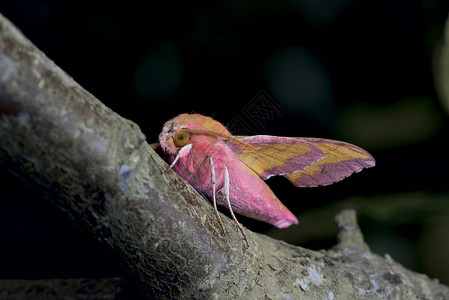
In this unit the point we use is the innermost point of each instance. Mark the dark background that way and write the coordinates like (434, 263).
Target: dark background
(358, 71)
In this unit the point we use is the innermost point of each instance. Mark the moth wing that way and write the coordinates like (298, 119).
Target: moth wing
(340, 161)
(306, 162)
(276, 155)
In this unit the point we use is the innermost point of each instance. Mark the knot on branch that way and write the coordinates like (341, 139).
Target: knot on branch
(349, 235)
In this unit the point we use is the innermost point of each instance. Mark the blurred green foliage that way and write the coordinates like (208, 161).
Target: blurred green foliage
(405, 122)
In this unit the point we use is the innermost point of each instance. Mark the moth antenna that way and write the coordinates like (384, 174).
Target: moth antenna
(226, 192)
(220, 134)
(214, 200)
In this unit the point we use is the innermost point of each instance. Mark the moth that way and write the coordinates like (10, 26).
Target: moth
(231, 170)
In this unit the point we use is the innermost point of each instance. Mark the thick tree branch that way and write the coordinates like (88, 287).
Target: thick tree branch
(97, 167)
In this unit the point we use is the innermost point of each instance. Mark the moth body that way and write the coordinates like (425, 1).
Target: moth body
(249, 194)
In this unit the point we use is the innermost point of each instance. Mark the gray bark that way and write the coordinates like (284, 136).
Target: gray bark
(97, 168)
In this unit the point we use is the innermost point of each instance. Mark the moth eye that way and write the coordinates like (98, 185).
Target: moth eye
(181, 137)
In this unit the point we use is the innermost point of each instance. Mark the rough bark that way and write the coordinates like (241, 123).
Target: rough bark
(97, 168)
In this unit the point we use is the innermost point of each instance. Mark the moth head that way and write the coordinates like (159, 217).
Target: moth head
(177, 132)
(173, 137)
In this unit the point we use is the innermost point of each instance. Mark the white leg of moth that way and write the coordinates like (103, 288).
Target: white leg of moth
(226, 191)
(180, 152)
(214, 200)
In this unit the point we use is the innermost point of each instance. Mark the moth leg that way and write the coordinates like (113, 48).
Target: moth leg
(181, 151)
(226, 191)
(214, 200)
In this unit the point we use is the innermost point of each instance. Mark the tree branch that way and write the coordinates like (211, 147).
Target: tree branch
(97, 168)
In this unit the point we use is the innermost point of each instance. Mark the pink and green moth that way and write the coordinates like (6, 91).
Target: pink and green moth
(231, 170)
